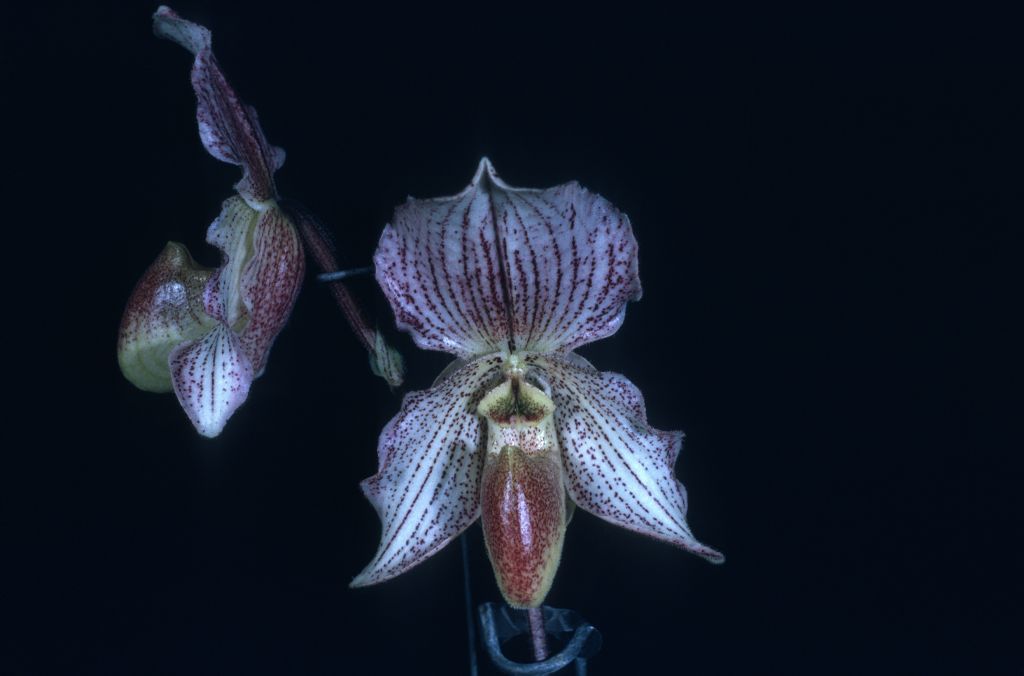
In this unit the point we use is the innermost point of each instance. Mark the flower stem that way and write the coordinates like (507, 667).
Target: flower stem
(537, 634)
(319, 247)
(470, 624)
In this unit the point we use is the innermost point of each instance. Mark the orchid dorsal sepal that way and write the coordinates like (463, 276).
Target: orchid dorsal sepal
(229, 129)
(510, 281)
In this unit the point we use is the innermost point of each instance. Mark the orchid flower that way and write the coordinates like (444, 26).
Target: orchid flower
(519, 428)
(206, 333)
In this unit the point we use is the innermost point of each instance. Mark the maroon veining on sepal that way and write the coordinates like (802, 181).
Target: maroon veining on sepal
(572, 265)
(439, 264)
(497, 266)
(228, 128)
(617, 466)
(427, 488)
(270, 284)
(522, 503)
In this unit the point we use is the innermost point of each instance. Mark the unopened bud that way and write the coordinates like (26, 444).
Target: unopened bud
(386, 361)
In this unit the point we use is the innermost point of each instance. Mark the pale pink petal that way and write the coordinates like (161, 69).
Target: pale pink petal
(164, 310)
(270, 283)
(497, 267)
(211, 377)
(616, 465)
(427, 489)
(228, 128)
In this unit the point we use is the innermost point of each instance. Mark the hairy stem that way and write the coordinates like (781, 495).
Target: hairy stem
(319, 247)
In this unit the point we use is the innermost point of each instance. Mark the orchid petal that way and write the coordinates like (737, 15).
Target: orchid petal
(260, 276)
(165, 309)
(427, 489)
(616, 466)
(557, 266)
(270, 283)
(229, 129)
(192, 36)
(211, 377)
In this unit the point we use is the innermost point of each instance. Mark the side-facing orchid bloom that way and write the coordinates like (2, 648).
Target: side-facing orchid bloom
(519, 427)
(206, 333)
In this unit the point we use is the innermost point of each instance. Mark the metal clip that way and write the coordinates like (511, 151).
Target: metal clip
(343, 274)
(501, 623)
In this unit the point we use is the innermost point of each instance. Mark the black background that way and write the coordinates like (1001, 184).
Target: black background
(826, 206)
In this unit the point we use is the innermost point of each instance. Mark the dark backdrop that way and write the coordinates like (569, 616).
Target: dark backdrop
(825, 205)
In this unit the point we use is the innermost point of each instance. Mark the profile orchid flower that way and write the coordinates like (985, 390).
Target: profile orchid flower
(519, 428)
(207, 333)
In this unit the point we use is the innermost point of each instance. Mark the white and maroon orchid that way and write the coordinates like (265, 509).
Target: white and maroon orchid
(519, 428)
(206, 333)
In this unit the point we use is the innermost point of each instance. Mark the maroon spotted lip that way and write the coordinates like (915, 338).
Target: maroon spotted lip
(523, 518)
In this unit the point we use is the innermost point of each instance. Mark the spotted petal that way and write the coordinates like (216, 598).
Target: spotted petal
(211, 377)
(427, 489)
(165, 309)
(228, 128)
(270, 283)
(497, 267)
(616, 465)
